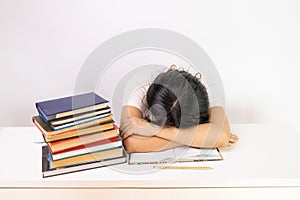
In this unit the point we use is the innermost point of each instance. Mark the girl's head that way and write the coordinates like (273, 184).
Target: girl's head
(177, 98)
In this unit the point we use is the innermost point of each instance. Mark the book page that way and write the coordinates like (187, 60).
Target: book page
(180, 154)
(152, 157)
(197, 153)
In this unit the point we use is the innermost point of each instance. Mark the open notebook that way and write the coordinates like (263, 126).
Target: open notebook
(179, 154)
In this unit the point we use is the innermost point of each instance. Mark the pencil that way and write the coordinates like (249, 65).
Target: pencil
(183, 167)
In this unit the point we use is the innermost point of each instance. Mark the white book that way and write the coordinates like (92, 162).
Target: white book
(82, 121)
(75, 118)
(179, 154)
(86, 150)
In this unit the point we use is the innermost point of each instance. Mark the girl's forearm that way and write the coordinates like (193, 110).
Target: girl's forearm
(136, 143)
(213, 134)
(203, 135)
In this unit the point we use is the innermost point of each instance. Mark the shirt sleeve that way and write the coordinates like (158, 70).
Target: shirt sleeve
(136, 98)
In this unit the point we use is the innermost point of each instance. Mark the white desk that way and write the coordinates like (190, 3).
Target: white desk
(265, 163)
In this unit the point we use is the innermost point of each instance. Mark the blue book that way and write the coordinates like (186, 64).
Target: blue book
(72, 105)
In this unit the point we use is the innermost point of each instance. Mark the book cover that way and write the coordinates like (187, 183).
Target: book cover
(48, 172)
(61, 107)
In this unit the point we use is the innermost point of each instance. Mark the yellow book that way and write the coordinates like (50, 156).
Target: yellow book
(82, 129)
(95, 156)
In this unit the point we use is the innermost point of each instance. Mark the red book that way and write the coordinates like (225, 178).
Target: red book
(89, 148)
(63, 145)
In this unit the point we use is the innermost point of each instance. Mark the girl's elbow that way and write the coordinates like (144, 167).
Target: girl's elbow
(130, 145)
(127, 145)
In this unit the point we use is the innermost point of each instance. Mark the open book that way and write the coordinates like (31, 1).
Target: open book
(179, 154)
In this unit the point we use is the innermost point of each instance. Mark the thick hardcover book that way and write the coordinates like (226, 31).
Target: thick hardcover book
(90, 148)
(48, 172)
(77, 132)
(101, 124)
(72, 105)
(85, 140)
(90, 157)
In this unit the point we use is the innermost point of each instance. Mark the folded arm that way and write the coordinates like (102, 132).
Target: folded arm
(137, 143)
(142, 136)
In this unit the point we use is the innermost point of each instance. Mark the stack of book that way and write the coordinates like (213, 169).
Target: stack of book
(80, 134)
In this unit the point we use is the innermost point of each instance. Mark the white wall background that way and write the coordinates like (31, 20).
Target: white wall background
(255, 45)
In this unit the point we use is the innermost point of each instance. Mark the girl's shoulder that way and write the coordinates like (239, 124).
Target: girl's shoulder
(137, 98)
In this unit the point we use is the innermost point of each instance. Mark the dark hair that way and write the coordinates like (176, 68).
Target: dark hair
(177, 98)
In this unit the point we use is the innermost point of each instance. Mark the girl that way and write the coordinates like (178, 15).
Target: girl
(174, 111)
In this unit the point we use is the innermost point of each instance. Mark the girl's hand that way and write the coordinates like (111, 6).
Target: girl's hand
(232, 139)
(138, 126)
(228, 140)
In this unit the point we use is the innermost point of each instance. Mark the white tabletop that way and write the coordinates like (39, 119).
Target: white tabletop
(266, 155)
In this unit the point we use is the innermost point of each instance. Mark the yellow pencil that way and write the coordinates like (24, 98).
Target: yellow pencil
(184, 167)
